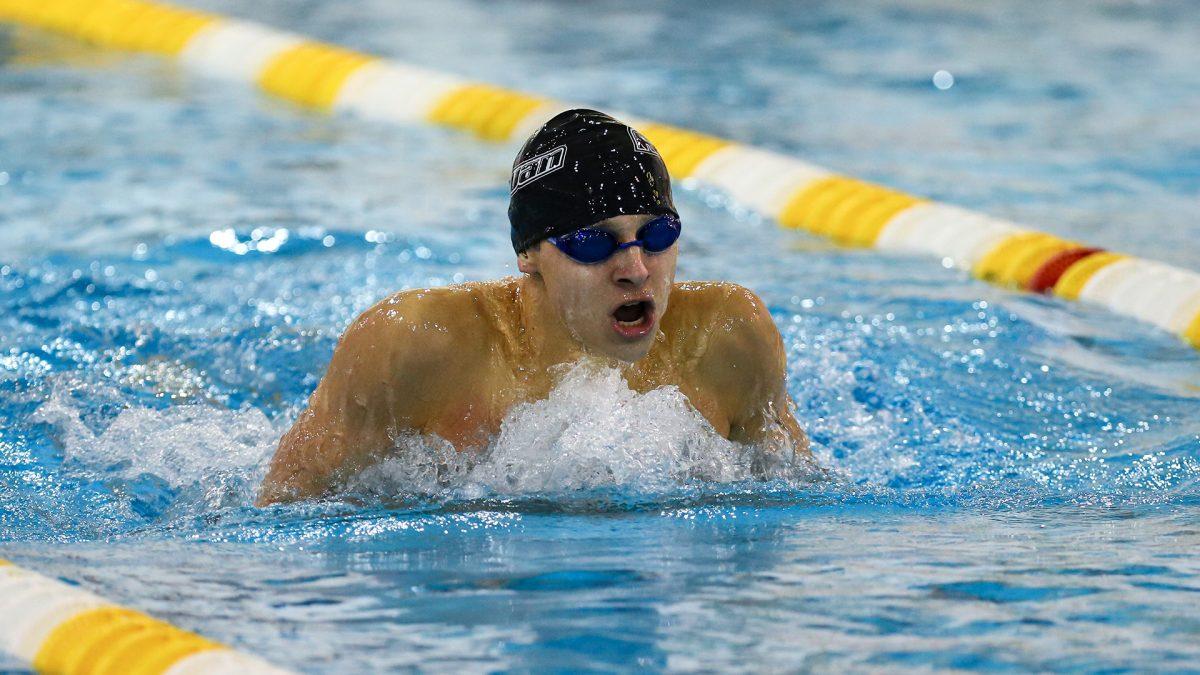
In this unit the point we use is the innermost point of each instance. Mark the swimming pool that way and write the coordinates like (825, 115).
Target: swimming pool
(1015, 490)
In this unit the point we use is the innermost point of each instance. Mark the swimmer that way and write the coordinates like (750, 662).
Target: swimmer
(594, 228)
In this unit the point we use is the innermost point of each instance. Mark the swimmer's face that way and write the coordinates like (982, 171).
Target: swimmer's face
(614, 307)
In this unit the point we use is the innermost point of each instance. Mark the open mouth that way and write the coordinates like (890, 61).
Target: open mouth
(634, 319)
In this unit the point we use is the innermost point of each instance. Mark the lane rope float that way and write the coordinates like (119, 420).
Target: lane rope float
(790, 191)
(59, 628)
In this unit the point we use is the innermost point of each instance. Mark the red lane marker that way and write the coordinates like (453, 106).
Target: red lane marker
(1047, 275)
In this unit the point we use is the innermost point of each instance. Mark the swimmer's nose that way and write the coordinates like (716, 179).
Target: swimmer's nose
(630, 268)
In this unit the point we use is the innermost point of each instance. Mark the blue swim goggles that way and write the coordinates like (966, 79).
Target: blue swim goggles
(591, 245)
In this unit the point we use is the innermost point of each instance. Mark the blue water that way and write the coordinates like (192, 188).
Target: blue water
(1014, 479)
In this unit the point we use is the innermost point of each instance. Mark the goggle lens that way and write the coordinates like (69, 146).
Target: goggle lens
(659, 234)
(590, 245)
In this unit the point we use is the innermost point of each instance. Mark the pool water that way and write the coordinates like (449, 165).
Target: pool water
(1014, 481)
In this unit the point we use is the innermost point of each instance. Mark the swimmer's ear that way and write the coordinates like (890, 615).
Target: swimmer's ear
(527, 261)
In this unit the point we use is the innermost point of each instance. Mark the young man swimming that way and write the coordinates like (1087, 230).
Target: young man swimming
(595, 229)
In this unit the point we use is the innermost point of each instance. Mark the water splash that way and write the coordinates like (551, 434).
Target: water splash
(218, 456)
(592, 432)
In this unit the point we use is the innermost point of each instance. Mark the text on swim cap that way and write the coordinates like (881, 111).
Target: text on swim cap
(535, 167)
(640, 143)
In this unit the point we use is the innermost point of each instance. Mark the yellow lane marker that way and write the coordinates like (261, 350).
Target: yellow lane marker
(26, 12)
(125, 24)
(496, 113)
(824, 204)
(989, 266)
(1192, 334)
(1008, 263)
(116, 640)
(1024, 264)
(848, 210)
(168, 32)
(861, 216)
(797, 213)
(106, 26)
(871, 220)
(311, 73)
(486, 111)
(681, 150)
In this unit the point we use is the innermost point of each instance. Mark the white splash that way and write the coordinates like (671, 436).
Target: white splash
(222, 451)
(593, 431)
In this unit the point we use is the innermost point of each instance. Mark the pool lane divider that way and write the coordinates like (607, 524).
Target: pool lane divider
(59, 628)
(795, 193)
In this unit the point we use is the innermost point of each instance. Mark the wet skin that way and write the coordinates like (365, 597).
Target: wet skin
(453, 361)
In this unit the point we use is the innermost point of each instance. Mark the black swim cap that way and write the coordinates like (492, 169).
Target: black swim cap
(580, 168)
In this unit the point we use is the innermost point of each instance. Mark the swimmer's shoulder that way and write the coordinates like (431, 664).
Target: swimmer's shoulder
(426, 328)
(440, 309)
(726, 325)
(708, 304)
(701, 291)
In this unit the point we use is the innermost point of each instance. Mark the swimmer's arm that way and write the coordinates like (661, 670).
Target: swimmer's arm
(748, 364)
(377, 385)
